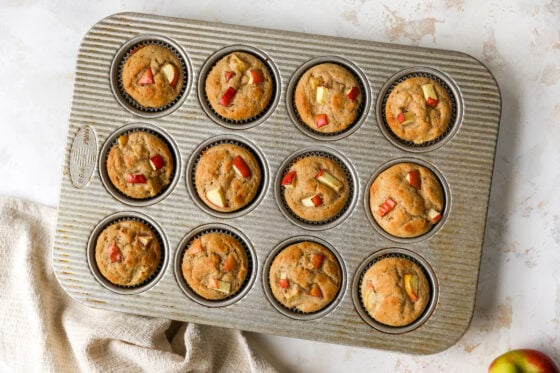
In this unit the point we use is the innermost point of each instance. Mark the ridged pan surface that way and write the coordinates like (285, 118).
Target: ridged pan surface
(465, 160)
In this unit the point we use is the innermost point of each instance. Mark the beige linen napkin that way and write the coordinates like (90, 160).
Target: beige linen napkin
(44, 330)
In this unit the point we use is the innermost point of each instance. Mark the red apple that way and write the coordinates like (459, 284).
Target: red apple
(411, 286)
(313, 201)
(157, 162)
(387, 206)
(430, 95)
(195, 248)
(147, 77)
(324, 177)
(240, 167)
(114, 253)
(283, 281)
(135, 179)
(213, 283)
(230, 263)
(434, 216)
(431, 102)
(321, 120)
(289, 180)
(523, 361)
(316, 291)
(317, 260)
(406, 118)
(228, 96)
(255, 76)
(413, 178)
(170, 72)
(229, 75)
(352, 93)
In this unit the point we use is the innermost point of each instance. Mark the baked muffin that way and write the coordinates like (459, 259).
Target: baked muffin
(239, 86)
(418, 110)
(227, 177)
(153, 76)
(328, 98)
(215, 265)
(315, 188)
(406, 200)
(127, 253)
(140, 165)
(395, 291)
(305, 276)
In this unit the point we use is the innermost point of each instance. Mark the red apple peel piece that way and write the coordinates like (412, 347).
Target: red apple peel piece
(114, 253)
(387, 206)
(157, 162)
(321, 120)
(352, 93)
(228, 96)
(289, 180)
(240, 167)
(316, 291)
(229, 75)
(136, 179)
(147, 77)
(255, 76)
(317, 260)
(413, 178)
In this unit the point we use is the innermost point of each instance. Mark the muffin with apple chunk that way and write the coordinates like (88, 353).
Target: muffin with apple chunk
(305, 276)
(395, 291)
(127, 253)
(239, 87)
(418, 110)
(152, 75)
(215, 265)
(327, 98)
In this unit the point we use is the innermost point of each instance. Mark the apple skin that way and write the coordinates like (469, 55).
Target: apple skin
(523, 361)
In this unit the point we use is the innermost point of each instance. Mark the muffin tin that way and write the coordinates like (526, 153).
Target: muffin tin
(463, 161)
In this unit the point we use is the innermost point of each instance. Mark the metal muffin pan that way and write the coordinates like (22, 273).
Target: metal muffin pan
(464, 162)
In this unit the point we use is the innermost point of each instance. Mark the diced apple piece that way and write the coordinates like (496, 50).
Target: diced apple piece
(213, 283)
(114, 253)
(317, 260)
(313, 201)
(145, 239)
(324, 177)
(255, 76)
(321, 95)
(413, 178)
(240, 167)
(352, 93)
(387, 206)
(230, 263)
(289, 180)
(228, 96)
(123, 140)
(196, 247)
(147, 77)
(411, 286)
(283, 281)
(216, 197)
(237, 63)
(135, 178)
(229, 75)
(430, 95)
(406, 118)
(434, 216)
(157, 162)
(224, 287)
(321, 120)
(314, 82)
(171, 73)
(316, 291)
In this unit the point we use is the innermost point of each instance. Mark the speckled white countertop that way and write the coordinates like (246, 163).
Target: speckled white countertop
(518, 299)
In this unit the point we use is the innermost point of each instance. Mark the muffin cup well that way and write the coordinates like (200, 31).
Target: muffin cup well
(124, 216)
(124, 53)
(362, 110)
(456, 108)
(352, 186)
(295, 313)
(226, 139)
(251, 264)
(394, 253)
(249, 122)
(113, 140)
(446, 201)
